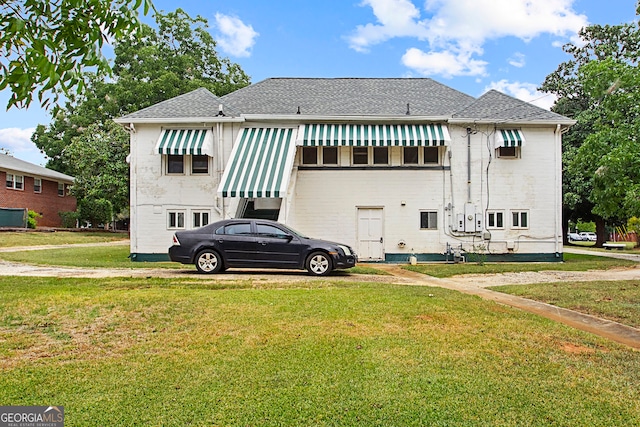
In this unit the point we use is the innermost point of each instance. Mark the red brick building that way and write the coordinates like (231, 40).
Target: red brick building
(28, 186)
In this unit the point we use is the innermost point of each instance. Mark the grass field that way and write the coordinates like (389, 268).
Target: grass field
(572, 262)
(31, 238)
(123, 352)
(618, 301)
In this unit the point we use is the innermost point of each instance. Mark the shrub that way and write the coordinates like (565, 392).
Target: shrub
(69, 219)
(95, 211)
(32, 219)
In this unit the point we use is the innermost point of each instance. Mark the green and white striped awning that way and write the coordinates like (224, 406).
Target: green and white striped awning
(186, 141)
(260, 164)
(509, 138)
(433, 134)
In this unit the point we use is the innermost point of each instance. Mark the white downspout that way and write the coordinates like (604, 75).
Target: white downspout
(558, 197)
(133, 196)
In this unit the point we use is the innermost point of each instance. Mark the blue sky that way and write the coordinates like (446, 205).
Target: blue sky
(470, 45)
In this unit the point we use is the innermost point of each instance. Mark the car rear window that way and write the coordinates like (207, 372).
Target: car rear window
(242, 228)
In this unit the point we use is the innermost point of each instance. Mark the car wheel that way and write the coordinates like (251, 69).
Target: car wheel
(208, 261)
(319, 264)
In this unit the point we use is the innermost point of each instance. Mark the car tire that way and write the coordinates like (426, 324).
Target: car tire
(208, 261)
(319, 264)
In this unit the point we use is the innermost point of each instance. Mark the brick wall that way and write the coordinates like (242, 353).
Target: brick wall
(47, 203)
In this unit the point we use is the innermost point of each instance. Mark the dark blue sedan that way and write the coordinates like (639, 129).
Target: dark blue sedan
(257, 243)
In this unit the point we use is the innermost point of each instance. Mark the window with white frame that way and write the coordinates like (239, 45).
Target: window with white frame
(431, 155)
(421, 155)
(61, 189)
(37, 185)
(199, 164)
(508, 152)
(175, 219)
(329, 155)
(519, 219)
(360, 155)
(309, 155)
(15, 182)
(495, 219)
(175, 164)
(200, 218)
(428, 220)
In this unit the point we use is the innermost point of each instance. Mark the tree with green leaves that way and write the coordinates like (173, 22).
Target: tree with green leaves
(99, 159)
(45, 46)
(177, 57)
(596, 87)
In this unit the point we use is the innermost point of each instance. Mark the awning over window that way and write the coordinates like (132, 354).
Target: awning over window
(186, 141)
(260, 163)
(433, 134)
(509, 138)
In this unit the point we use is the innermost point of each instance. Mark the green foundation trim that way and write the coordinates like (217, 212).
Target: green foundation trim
(149, 257)
(470, 258)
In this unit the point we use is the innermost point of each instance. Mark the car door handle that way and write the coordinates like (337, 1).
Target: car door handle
(263, 243)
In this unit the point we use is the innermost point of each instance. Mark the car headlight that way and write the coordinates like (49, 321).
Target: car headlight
(345, 249)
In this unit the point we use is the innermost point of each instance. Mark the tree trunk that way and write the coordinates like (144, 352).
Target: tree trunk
(601, 237)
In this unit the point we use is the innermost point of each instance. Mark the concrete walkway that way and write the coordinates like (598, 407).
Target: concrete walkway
(605, 328)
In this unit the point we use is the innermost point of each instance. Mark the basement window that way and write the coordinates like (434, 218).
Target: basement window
(519, 219)
(175, 219)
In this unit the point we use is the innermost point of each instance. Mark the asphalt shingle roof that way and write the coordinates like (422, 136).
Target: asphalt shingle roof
(347, 97)
(197, 103)
(497, 106)
(10, 163)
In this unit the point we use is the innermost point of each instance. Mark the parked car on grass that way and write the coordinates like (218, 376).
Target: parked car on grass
(256, 243)
(589, 236)
(574, 237)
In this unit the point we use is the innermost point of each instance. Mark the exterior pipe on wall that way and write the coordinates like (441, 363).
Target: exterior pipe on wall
(468, 165)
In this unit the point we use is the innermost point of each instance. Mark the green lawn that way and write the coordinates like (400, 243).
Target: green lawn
(618, 301)
(123, 352)
(572, 262)
(32, 238)
(91, 257)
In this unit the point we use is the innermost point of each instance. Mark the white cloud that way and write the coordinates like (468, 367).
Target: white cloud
(462, 27)
(396, 18)
(18, 143)
(16, 139)
(517, 60)
(235, 38)
(524, 91)
(446, 64)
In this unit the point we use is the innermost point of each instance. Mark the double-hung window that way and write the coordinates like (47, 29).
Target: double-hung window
(37, 185)
(61, 189)
(175, 164)
(15, 182)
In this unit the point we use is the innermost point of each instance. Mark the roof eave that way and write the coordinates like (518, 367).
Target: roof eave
(179, 120)
(461, 121)
(316, 118)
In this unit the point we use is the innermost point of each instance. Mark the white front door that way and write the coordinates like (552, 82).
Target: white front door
(370, 239)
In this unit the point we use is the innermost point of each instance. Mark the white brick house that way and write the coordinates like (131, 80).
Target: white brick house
(393, 167)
